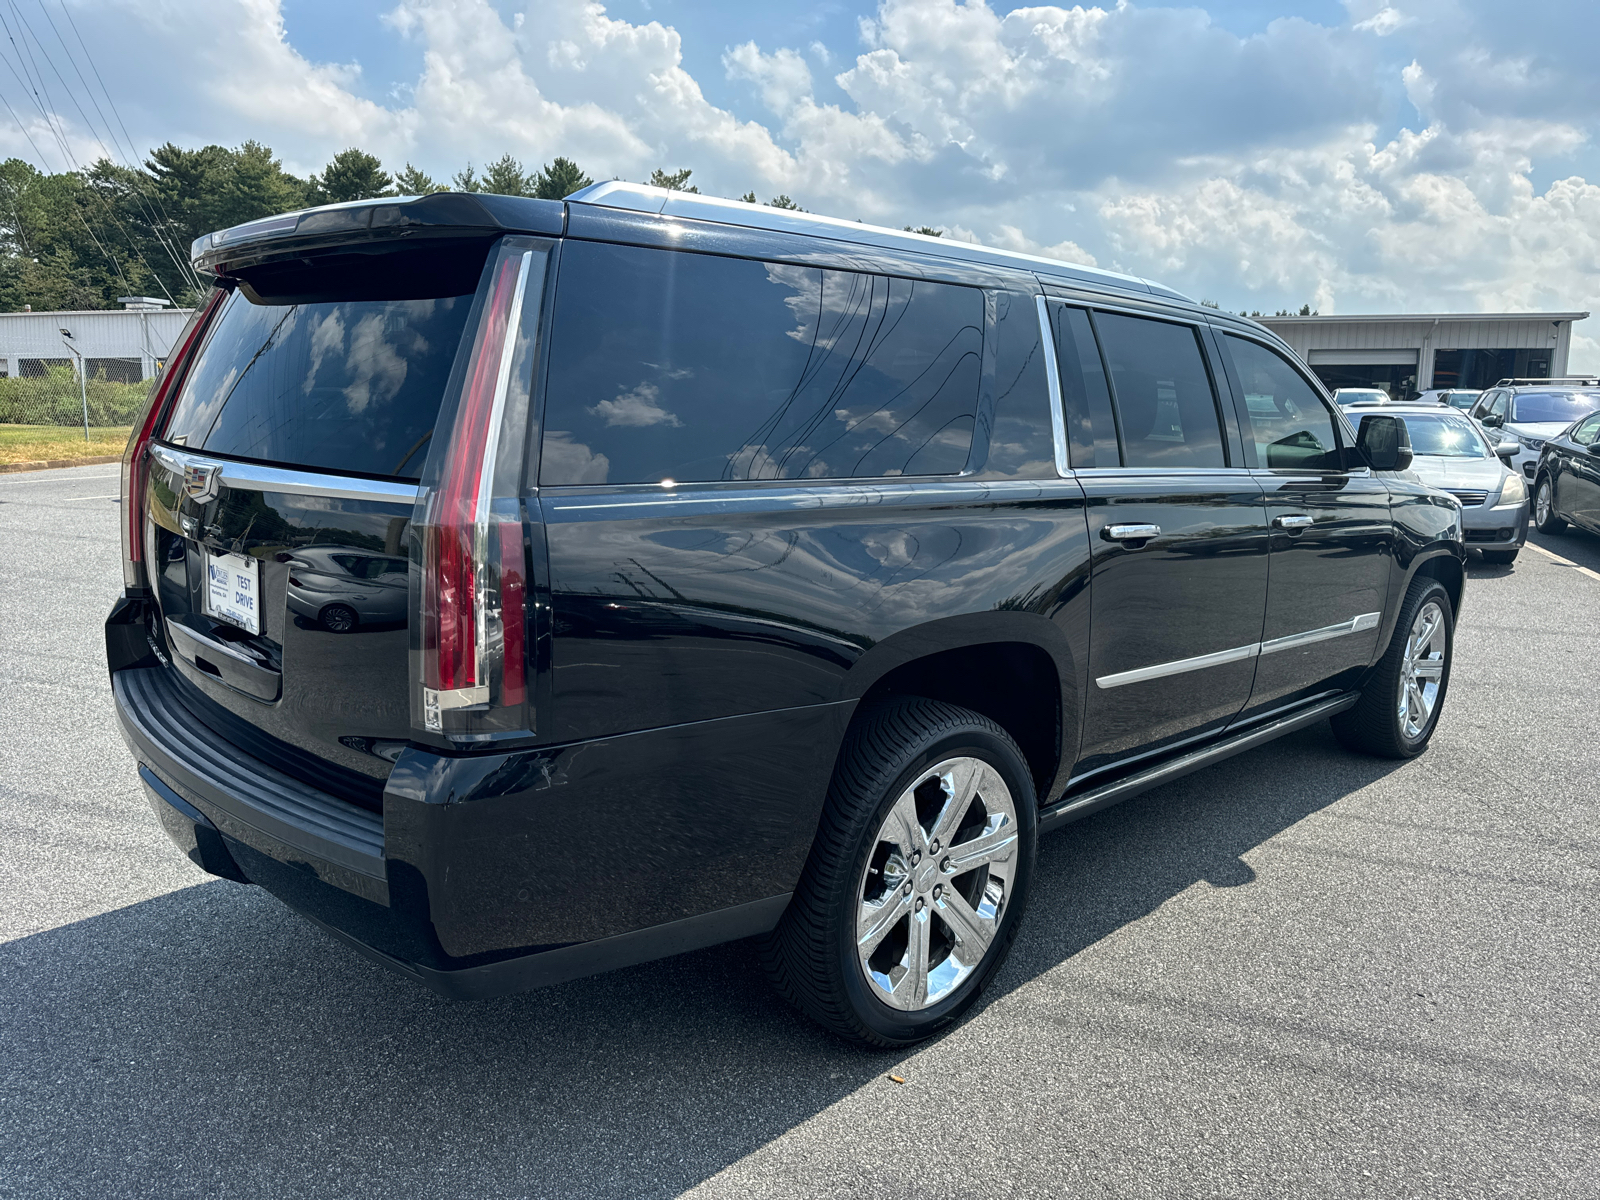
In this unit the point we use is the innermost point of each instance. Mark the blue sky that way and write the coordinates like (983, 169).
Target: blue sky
(1359, 155)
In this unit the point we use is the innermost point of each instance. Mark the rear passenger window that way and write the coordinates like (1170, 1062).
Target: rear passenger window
(1091, 429)
(689, 367)
(1290, 425)
(1165, 405)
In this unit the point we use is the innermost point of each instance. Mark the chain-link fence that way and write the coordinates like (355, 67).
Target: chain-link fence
(56, 399)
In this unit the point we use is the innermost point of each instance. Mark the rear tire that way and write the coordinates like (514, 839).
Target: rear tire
(918, 877)
(1544, 507)
(1400, 704)
(1501, 558)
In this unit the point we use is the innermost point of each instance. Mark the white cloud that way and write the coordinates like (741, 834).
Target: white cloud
(638, 407)
(1366, 165)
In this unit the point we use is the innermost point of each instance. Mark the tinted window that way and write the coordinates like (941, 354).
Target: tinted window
(1165, 406)
(1091, 428)
(351, 385)
(1289, 424)
(1443, 437)
(692, 367)
(1020, 438)
(1585, 434)
(1553, 406)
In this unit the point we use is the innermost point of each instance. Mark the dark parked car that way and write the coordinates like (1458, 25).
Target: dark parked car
(1566, 487)
(768, 575)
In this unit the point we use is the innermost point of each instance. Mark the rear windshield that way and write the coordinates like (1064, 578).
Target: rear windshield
(1443, 437)
(1534, 407)
(348, 384)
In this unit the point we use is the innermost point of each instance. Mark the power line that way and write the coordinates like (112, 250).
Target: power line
(41, 96)
(130, 159)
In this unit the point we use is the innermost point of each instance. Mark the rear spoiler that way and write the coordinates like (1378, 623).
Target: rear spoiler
(443, 214)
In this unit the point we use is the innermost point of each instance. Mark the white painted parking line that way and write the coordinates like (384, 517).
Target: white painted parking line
(70, 499)
(4, 482)
(1565, 562)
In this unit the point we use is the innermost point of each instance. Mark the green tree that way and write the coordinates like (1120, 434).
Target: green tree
(781, 201)
(748, 197)
(352, 175)
(559, 179)
(466, 181)
(507, 178)
(925, 230)
(675, 181)
(412, 182)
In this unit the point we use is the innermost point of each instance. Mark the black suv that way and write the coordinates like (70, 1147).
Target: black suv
(764, 574)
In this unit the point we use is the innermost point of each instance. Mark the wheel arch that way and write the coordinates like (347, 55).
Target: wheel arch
(1014, 668)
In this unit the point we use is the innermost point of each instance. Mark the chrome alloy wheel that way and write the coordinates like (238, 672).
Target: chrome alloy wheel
(1422, 671)
(1541, 503)
(936, 883)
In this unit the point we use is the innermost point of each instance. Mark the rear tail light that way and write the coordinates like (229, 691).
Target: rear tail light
(472, 639)
(135, 464)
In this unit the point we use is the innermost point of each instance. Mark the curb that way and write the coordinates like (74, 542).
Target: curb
(53, 464)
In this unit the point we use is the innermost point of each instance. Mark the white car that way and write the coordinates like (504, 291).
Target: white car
(1460, 398)
(1529, 414)
(1360, 397)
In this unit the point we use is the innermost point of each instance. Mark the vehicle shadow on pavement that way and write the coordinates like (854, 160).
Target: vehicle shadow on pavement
(210, 1041)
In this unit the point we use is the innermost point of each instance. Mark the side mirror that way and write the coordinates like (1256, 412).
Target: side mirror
(1593, 448)
(1492, 421)
(1507, 449)
(1385, 442)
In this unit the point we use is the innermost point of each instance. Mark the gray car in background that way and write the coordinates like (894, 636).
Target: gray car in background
(341, 587)
(1452, 454)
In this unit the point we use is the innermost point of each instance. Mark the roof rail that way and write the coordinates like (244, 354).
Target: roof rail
(1581, 380)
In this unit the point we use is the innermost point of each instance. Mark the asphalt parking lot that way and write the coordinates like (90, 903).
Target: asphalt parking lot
(1298, 973)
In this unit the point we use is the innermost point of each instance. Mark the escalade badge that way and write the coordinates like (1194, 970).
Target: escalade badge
(201, 483)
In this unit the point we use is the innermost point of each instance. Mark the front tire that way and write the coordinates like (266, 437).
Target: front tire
(918, 877)
(1544, 507)
(1401, 702)
(338, 618)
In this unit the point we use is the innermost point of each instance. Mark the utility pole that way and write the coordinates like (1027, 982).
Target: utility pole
(83, 382)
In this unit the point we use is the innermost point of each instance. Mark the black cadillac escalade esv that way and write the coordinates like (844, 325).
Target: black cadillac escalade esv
(520, 589)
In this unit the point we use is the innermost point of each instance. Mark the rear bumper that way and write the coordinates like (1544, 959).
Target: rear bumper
(498, 873)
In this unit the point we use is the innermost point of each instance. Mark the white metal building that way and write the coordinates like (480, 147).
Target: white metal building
(127, 344)
(1407, 353)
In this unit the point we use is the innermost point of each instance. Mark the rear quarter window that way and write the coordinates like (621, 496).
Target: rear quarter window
(696, 368)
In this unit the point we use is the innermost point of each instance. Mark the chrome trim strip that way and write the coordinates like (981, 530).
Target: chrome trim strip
(1353, 625)
(1052, 374)
(254, 477)
(1179, 666)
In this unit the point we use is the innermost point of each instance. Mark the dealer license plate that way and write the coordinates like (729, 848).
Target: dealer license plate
(233, 589)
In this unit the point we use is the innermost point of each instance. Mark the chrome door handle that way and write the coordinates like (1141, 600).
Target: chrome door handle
(1130, 533)
(1297, 523)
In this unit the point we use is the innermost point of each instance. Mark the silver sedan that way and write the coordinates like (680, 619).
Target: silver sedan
(1451, 453)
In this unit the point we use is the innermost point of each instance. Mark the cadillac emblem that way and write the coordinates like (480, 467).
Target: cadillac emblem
(201, 483)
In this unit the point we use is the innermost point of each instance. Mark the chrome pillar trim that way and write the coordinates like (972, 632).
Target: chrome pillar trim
(256, 477)
(1353, 625)
(1052, 374)
(1179, 666)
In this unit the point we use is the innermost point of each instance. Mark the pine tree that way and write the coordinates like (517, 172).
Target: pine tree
(782, 201)
(560, 179)
(352, 175)
(507, 178)
(466, 181)
(412, 182)
(675, 181)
